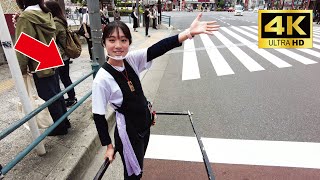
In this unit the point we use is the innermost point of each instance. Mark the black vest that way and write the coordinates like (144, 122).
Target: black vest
(134, 106)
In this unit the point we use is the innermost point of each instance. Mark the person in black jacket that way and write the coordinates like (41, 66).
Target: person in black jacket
(135, 19)
(118, 83)
(147, 15)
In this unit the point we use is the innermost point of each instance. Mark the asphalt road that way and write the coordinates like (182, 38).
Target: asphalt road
(260, 122)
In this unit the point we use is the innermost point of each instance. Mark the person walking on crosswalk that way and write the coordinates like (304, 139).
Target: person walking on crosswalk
(118, 83)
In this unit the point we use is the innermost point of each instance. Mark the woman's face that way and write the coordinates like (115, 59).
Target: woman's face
(117, 44)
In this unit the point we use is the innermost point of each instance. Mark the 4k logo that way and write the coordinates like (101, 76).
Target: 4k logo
(285, 29)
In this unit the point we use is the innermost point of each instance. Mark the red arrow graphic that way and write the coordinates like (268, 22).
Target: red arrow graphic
(48, 56)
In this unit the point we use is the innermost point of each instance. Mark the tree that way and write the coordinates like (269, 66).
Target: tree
(221, 3)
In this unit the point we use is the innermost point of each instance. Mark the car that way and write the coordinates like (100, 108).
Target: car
(238, 10)
(230, 9)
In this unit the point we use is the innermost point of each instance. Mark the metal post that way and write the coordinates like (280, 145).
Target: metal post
(96, 31)
(95, 67)
(7, 44)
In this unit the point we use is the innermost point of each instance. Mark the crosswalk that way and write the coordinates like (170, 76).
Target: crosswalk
(245, 36)
(235, 151)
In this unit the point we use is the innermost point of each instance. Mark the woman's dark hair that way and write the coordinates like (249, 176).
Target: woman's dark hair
(56, 10)
(114, 26)
(23, 4)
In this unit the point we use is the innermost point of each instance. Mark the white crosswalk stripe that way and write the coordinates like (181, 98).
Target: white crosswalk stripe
(190, 68)
(246, 60)
(256, 32)
(267, 55)
(286, 52)
(220, 64)
(235, 151)
(250, 29)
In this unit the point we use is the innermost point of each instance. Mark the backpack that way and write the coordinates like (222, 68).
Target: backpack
(73, 45)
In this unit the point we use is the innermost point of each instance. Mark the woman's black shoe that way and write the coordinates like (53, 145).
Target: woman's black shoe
(71, 102)
(58, 133)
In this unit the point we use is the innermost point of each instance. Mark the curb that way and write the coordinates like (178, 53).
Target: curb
(76, 161)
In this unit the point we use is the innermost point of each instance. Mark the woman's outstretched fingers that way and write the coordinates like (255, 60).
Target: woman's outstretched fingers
(211, 22)
(199, 16)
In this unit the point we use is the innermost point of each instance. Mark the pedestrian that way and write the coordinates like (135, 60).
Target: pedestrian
(80, 15)
(106, 14)
(147, 15)
(118, 83)
(61, 28)
(159, 11)
(104, 20)
(154, 15)
(116, 15)
(37, 22)
(318, 14)
(135, 19)
(87, 30)
(76, 12)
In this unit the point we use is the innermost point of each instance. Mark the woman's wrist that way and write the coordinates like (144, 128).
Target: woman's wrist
(188, 34)
(110, 146)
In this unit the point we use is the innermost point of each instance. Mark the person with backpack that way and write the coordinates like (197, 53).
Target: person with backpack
(37, 22)
(116, 15)
(117, 83)
(61, 40)
(134, 16)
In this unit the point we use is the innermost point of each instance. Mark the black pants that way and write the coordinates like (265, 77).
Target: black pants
(154, 23)
(147, 27)
(48, 87)
(139, 148)
(89, 42)
(64, 75)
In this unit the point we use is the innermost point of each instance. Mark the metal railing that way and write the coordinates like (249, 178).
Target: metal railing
(4, 170)
(165, 18)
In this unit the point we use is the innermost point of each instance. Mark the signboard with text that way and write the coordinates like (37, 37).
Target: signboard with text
(285, 29)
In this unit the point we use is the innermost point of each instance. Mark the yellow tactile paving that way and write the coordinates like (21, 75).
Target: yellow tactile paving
(6, 85)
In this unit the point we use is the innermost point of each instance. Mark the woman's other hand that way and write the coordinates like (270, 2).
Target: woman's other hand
(87, 35)
(200, 27)
(110, 153)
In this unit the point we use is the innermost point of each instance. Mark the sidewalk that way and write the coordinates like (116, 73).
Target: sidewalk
(67, 156)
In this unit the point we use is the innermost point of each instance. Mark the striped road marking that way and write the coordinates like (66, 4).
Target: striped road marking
(219, 63)
(246, 60)
(190, 68)
(286, 52)
(267, 55)
(233, 151)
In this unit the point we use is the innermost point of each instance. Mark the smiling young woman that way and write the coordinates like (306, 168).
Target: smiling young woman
(118, 83)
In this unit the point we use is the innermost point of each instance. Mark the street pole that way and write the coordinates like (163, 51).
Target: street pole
(96, 31)
(16, 74)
